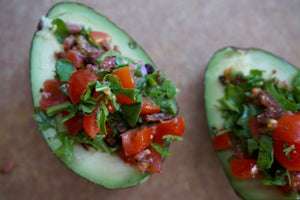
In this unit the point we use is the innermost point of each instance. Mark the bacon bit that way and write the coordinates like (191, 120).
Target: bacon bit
(157, 117)
(92, 68)
(74, 28)
(109, 62)
(222, 79)
(159, 77)
(59, 55)
(143, 161)
(106, 44)
(116, 49)
(85, 146)
(8, 167)
(69, 42)
(141, 155)
(285, 84)
(109, 139)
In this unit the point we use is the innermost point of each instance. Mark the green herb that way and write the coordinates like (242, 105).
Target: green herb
(64, 68)
(66, 106)
(284, 103)
(101, 116)
(287, 150)
(266, 154)
(162, 92)
(116, 86)
(252, 145)
(289, 177)
(97, 143)
(131, 113)
(172, 137)
(222, 132)
(278, 178)
(65, 151)
(45, 121)
(161, 149)
(296, 84)
(62, 31)
(63, 88)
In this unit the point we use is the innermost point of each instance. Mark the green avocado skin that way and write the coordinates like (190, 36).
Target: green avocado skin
(101, 168)
(242, 60)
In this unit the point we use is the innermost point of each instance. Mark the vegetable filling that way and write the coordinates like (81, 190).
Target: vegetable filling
(262, 127)
(108, 102)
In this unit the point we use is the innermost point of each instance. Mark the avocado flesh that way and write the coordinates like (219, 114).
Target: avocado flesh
(105, 169)
(242, 60)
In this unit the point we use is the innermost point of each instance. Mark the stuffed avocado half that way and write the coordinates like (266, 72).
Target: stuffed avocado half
(249, 93)
(73, 42)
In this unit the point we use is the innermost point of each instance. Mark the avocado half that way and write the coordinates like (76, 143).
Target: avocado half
(105, 169)
(242, 60)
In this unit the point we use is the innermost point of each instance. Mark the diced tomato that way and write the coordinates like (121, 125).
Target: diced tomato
(136, 140)
(74, 28)
(74, 124)
(128, 81)
(51, 95)
(127, 159)
(98, 37)
(108, 62)
(288, 129)
(90, 124)
(222, 141)
(149, 108)
(244, 168)
(174, 126)
(289, 159)
(287, 142)
(75, 58)
(254, 127)
(78, 84)
(156, 165)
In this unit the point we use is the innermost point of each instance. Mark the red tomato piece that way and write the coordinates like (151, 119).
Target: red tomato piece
(78, 84)
(74, 124)
(127, 159)
(75, 58)
(288, 129)
(90, 124)
(51, 95)
(156, 165)
(98, 37)
(128, 81)
(288, 159)
(254, 127)
(136, 140)
(222, 141)
(244, 168)
(174, 126)
(148, 108)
